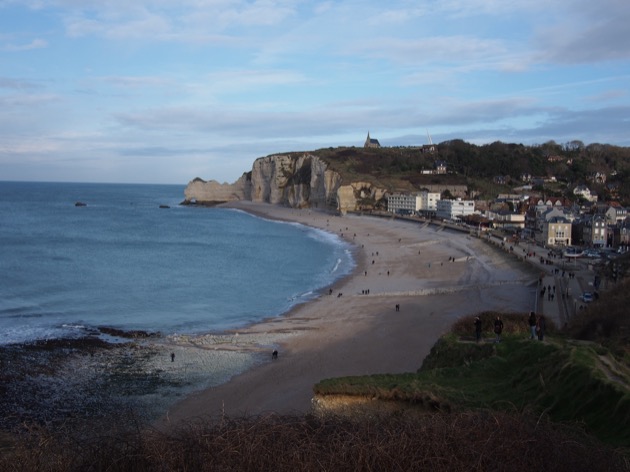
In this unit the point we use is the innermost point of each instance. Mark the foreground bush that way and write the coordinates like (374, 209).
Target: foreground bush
(454, 442)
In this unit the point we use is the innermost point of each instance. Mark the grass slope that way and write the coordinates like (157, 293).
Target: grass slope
(572, 381)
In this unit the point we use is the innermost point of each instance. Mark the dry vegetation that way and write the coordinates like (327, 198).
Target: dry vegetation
(454, 442)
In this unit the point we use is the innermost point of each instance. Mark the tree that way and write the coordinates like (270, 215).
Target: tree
(574, 146)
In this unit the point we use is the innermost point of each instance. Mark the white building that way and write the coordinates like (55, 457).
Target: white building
(403, 203)
(584, 192)
(412, 203)
(507, 219)
(455, 209)
(428, 200)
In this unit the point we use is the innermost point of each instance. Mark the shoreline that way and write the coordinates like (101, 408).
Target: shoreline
(434, 276)
(357, 330)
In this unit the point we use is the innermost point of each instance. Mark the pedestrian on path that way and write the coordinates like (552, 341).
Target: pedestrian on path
(541, 326)
(498, 329)
(478, 328)
(532, 321)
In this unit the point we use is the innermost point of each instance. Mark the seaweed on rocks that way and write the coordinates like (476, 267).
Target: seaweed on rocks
(128, 334)
(63, 380)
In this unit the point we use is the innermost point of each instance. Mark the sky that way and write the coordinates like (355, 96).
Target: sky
(161, 91)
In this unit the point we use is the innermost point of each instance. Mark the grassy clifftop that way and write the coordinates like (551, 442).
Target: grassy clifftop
(403, 168)
(569, 380)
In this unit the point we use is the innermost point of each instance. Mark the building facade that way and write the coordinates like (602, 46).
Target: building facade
(411, 203)
(594, 231)
(455, 209)
(428, 201)
(403, 203)
(557, 232)
(507, 219)
(616, 213)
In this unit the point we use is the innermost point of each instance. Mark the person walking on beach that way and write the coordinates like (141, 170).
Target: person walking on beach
(498, 329)
(172, 357)
(532, 324)
(478, 328)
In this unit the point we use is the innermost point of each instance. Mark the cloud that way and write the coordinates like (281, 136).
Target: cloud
(611, 126)
(186, 21)
(134, 82)
(327, 121)
(17, 84)
(143, 25)
(442, 49)
(212, 84)
(34, 44)
(26, 100)
(608, 95)
(497, 8)
(586, 32)
(232, 80)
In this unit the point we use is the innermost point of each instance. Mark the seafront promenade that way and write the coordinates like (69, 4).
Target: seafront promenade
(561, 283)
(563, 279)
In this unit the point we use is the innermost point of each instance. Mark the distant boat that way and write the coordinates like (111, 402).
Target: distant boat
(164, 206)
(80, 204)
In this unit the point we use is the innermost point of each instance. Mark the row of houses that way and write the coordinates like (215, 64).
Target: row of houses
(552, 222)
(555, 223)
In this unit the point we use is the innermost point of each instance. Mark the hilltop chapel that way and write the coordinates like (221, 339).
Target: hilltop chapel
(371, 143)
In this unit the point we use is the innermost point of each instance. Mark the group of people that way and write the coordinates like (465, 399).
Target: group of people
(537, 326)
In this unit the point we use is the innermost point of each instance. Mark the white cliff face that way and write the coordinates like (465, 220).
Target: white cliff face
(213, 192)
(358, 196)
(298, 181)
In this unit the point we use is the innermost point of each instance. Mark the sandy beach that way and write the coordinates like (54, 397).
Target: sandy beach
(434, 276)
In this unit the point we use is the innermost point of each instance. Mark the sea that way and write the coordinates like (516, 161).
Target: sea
(133, 258)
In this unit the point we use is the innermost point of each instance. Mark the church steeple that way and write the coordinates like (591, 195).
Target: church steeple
(371, 143)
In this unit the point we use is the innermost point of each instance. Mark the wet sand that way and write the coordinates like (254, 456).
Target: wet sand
(435, 276)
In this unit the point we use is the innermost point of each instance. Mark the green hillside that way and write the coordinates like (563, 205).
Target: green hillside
(405, 168)
(582, 380)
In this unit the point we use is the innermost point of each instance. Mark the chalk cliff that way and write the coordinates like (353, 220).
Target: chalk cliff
(298, 181)
(200, 191)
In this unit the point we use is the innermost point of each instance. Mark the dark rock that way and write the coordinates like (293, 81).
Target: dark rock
(133, 334)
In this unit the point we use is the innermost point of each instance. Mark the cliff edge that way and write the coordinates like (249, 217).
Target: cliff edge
(294, 180)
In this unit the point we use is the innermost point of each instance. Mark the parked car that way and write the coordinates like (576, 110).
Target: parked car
(587, 297)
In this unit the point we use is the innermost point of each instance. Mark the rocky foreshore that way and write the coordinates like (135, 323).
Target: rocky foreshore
(136, 375)
(62, 380)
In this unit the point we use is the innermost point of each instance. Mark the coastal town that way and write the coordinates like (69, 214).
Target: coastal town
(563, 236)
(596, 228)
